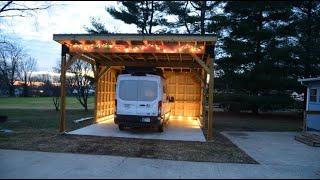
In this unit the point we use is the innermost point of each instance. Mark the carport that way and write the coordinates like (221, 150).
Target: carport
(186, 60)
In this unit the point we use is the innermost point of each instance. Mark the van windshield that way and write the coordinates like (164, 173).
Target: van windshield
(138, 90)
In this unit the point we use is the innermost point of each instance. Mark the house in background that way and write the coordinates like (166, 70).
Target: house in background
(312, 115)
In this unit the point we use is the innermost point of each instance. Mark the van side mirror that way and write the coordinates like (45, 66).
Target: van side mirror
(171, 99)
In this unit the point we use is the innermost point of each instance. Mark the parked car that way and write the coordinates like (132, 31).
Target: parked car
(141, 100)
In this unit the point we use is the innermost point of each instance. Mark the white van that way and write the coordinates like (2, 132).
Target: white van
(141, 101)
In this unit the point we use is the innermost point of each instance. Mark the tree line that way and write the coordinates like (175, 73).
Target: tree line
(262, 47)
(16, 64)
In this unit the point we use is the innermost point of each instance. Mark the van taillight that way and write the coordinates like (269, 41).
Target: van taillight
(159, 107)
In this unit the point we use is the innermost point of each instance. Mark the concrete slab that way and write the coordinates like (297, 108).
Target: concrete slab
(177, 129)
(276, 148)
(32, 164)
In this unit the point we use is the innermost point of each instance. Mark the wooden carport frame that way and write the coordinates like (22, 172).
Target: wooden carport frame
(103, 51)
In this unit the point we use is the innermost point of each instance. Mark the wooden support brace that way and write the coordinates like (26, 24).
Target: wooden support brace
(197, 75)
(72, 60)
(202, 64)
(103, 72)
(87, 59)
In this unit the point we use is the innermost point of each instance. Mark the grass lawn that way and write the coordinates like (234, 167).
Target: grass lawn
(37, 129)
(39, 103)
(35, 126)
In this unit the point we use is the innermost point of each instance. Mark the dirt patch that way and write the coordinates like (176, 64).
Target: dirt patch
(219, 150)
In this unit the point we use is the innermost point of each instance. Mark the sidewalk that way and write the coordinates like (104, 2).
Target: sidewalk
(31, 164)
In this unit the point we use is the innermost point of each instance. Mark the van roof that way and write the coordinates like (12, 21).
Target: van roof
(147, 75)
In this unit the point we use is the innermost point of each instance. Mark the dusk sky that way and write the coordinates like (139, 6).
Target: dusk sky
(35, 33)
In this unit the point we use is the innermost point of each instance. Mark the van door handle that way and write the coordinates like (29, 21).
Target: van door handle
(142, 105)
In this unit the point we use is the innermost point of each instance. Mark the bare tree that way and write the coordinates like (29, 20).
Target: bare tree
(81, 81)
(12, 9)
(27, 66)
(55, 96)
(21, 8)
(10, 58)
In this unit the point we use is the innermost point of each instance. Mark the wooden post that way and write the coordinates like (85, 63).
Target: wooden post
(210, 103)
(96, 83)
(62, 127)
(203, 99)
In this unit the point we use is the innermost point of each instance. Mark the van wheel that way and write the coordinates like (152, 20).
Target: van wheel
(160, 128)
(121, 127)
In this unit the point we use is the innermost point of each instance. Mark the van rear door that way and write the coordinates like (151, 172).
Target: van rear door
(147, 96)
(128, 97)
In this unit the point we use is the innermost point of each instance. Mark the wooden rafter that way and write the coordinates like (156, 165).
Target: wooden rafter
(155, 57)
(142, 55)
(107, 57)
(117, 56)
(128, 56)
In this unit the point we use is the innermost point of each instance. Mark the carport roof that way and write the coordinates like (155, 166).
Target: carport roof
(161, 50)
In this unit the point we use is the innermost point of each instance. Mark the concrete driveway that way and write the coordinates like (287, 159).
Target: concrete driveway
(279, 155)
(176, 129)
(276, 148)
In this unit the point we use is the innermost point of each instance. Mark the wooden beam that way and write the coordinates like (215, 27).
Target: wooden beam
(204, 66)
(134, 37)
(210, 103)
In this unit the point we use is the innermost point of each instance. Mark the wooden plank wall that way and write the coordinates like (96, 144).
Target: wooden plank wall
(183, 86)
(186, 90)
(106, 94)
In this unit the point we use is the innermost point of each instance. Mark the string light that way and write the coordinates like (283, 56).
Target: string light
(138, 49)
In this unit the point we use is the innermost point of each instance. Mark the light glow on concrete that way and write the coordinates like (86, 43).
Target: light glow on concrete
(185, 129)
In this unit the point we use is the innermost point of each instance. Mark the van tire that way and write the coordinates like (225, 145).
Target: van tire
(121, 127)
(160, 128)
